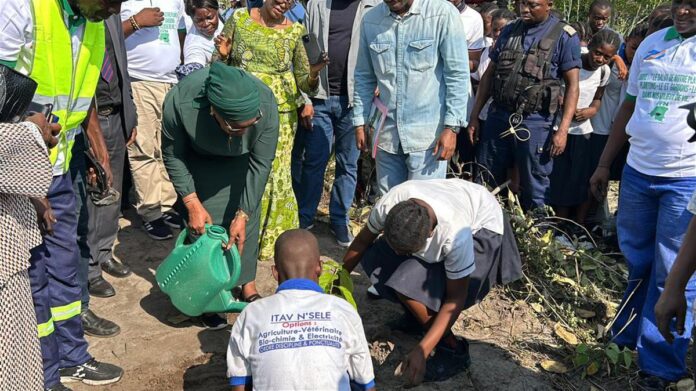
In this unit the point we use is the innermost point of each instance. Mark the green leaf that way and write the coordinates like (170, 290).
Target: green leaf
(580, 360)
(612, 352)
(581, 348)
(335, 280)
(628, 358)
(348, 296)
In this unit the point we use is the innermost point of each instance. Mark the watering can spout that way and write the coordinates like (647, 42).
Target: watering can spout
(199, 277)
(231, 306)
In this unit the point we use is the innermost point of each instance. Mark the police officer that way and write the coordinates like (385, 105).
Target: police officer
(529, 59)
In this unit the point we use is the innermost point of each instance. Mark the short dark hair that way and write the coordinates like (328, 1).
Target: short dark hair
(600, 4)
(583, 30)
(605, 37)
(407, 227)
(487, 8)
(504, 13)
(640, 31)
(193, 5)
(661, 21)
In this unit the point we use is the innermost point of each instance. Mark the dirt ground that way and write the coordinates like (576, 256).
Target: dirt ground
(507, 341)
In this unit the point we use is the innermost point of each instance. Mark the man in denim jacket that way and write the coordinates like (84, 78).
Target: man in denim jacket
(412, 51)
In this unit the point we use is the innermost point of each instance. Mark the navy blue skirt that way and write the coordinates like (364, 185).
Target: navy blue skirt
(570, 178)
(496, 257)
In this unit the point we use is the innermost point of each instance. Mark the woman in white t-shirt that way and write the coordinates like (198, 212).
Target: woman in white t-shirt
(571, 171)
(656, 185)
(199, 45)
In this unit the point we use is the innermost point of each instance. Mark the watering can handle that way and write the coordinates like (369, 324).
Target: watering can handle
(182, 237)
(235, 265)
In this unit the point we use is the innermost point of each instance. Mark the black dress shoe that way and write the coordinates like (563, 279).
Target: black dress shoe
(58, 387)
(98, 327)
(116, 268)
(99, 287)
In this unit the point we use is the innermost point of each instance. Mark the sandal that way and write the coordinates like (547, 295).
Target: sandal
(447, 362)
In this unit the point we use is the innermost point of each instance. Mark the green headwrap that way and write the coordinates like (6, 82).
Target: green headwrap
(232, 92)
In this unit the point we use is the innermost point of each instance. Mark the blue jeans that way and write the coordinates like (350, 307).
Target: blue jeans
(331, 127)
(651, 224)
(396, 168)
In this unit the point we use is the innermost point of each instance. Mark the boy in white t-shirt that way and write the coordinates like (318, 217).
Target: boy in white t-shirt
(299, 338)
(570, 178)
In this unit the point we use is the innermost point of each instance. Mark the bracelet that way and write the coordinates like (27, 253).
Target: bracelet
(242, 214)
(603, 166)
(134, 24)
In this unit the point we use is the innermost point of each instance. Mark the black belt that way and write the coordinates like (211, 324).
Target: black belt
(106, 111)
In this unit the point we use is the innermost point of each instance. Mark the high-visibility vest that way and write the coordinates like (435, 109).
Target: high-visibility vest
(70, 88)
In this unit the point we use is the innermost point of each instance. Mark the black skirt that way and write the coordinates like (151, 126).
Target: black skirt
(570, 178)
(496, 257)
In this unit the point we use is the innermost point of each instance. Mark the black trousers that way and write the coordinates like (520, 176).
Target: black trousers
(98, 225)
(103, 220)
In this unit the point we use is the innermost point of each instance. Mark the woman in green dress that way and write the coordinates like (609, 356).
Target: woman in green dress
(219, 136)
(265, 43)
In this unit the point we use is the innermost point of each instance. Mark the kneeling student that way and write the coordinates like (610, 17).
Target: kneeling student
(299, 338)
(444, 243)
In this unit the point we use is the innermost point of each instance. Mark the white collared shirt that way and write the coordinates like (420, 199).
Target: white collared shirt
(462, 209)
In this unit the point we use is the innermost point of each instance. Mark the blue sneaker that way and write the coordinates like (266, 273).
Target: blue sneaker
(213, 321)
(173, 220)
(157, 229)
(343, 235)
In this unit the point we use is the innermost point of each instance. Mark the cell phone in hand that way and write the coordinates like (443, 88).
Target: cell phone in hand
(314, 52)
(35, 108)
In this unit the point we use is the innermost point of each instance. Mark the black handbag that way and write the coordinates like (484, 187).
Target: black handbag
(16, 93)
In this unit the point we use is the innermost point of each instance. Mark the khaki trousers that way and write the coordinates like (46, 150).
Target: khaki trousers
(152, 185)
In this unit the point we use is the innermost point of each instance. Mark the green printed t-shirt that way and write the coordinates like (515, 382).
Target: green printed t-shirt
(662, 80)
(155, 52)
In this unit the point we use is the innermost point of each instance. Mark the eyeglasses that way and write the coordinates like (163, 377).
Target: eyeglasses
(232, 129)
(289, 3)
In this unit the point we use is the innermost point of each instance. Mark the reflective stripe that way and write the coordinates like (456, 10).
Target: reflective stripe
(67, 311)
(60, 102)
(66, 81)
(45, 329)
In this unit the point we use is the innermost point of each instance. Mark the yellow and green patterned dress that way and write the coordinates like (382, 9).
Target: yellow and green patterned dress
(279, 59)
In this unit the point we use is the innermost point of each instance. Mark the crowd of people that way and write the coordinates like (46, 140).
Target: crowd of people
(228, 114)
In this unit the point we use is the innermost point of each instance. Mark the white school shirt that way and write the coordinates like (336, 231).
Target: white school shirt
(614, 94)
(199, 48)
(462, 208)
(662, 78)
(475, 40)
(299, 339)
(483, 65)
(155, 52)
(590, 81)
(17, 44)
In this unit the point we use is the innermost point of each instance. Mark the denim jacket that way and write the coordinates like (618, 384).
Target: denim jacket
(420, 63)
(317, 23)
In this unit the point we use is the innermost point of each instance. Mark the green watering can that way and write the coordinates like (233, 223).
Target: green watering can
(199, 277)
